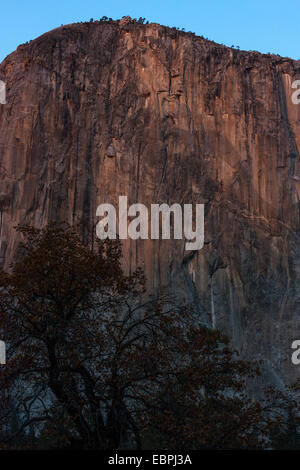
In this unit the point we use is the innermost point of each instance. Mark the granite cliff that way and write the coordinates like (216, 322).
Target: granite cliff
(98, 110)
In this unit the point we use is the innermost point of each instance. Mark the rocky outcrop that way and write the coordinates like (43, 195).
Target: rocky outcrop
(98, 110)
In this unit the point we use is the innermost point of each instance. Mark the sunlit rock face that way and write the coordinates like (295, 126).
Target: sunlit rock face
(94, 111)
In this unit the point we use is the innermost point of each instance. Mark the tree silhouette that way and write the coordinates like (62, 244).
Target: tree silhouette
(92, 363)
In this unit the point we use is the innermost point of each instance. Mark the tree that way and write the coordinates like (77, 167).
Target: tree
(285, 404)
(94, 364)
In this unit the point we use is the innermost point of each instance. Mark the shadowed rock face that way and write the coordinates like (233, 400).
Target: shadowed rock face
(95, 111)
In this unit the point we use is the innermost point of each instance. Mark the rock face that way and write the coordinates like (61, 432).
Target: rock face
(98, 110)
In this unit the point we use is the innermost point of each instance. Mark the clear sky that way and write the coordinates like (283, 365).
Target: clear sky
(263, 25)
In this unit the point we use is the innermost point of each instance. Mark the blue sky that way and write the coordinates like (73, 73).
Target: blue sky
(263, 25)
